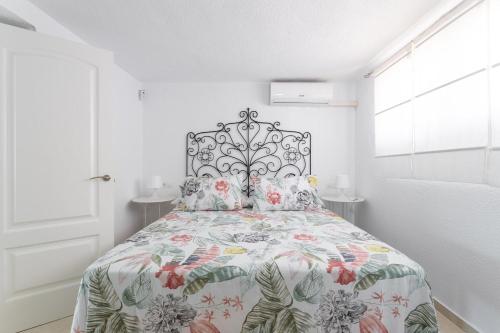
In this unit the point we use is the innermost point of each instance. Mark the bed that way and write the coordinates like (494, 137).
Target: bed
(253, 271)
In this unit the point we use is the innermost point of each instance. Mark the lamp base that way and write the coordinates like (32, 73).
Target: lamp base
(343, 195)
(154, 194)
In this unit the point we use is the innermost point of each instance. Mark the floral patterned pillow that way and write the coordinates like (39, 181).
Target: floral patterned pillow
(289, 193)
(207, 193)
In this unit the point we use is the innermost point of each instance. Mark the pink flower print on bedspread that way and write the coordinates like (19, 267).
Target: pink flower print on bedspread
(371, 322)
(172, 274)
(346, 276)
(273, 197)
(209, 315)
(203, 326)
(225, 307)
(209, 299)
(182, 239)
(173, 216)
(169, 277)
(250, 216)
(304, 237)
(222, 186)
(344, 267)
(211, 308)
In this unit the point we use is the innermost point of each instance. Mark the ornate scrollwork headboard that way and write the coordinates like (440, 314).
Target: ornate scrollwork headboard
(248, 147)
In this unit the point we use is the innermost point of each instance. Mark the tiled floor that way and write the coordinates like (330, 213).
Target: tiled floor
(64, 325)
(446, 326)
(58, 326)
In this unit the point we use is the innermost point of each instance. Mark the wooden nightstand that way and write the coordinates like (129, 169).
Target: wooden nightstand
(348, 205)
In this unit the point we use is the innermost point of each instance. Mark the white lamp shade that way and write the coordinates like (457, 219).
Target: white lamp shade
(342, 182)
(156, 182)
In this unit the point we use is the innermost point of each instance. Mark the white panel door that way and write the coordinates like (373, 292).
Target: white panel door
(54, 136)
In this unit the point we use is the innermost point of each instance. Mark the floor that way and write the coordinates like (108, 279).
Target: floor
(64, 325)
(58, 326)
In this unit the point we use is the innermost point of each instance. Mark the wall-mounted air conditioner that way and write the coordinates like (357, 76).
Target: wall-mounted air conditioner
(301, 93)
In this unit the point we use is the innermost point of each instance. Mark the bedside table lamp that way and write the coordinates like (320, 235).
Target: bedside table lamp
(343, 184)
(156, 184)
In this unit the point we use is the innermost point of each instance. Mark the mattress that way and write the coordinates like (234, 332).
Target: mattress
(246, 271)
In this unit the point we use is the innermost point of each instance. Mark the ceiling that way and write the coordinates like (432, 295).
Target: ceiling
(10, 18)
(239, 40)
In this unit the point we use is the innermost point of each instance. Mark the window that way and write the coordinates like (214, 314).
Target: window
(454, 52)
(495, 105)
(495, 72)
(495, 31)
(394, 123)
(394, 86)
(443, 94)
(453, 117)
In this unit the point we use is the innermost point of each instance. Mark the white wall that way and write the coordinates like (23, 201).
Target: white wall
(127, 122)
(173, 109)
(127, 150)
(451, 229)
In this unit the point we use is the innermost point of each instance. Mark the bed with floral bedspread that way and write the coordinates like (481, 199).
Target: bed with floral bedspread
(245, 271)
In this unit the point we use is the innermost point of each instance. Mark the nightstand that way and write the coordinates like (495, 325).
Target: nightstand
(348, 205)
(152, 200)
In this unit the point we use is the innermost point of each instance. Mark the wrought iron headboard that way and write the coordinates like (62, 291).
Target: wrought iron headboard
(248, 147)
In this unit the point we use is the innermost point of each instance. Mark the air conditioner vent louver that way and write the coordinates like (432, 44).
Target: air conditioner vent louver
(301, 93)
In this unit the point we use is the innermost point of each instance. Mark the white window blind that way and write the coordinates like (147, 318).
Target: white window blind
(495, 31)
(495, 106)
(440, 104)
(445, 80)
(394, 85)
(393, 130)
(453, 117)
(457, 50)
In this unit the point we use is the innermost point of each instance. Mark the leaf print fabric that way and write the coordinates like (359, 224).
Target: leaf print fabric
(288, 193)
(339, 310)
(168, 314)
(248, 271)
(191, 186)
(206, 193)
(422, 319)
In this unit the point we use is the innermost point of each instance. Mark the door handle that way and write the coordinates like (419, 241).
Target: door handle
(106, 178)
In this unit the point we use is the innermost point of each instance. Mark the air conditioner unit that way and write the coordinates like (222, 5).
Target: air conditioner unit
(301, 93)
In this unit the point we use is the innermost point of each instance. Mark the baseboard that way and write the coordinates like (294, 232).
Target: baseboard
(454, 318)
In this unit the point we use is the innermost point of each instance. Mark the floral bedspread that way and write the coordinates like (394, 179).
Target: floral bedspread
(245, 271)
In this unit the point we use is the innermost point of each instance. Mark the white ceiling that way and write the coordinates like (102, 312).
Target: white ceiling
(239, 40)
(10, 18)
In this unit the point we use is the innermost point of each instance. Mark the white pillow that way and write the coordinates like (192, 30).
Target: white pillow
(286, 193)
(207, 193)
